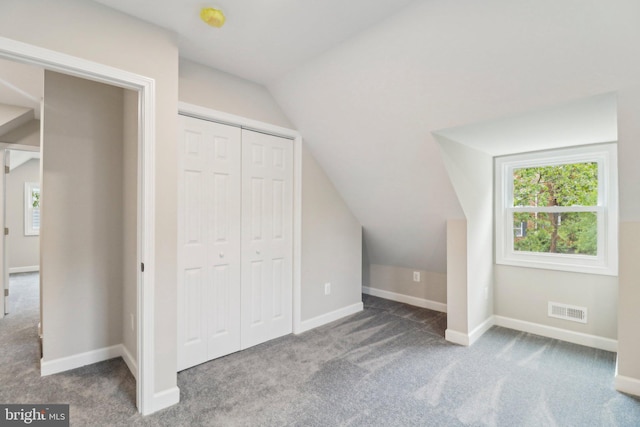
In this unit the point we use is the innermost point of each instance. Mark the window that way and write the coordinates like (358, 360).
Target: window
(31, 208)
(558, 209)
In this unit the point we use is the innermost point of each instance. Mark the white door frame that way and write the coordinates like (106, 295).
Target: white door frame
(4, 275)
(198, 112)
(4, 258)
(145, 86)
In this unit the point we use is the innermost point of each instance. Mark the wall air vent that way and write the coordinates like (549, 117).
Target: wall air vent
(568, 312)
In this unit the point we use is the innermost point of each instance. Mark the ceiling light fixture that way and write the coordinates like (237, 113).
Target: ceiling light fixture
(213, 17)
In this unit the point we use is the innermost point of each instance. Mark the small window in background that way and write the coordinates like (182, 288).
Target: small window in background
(32, 209)
(558, 209)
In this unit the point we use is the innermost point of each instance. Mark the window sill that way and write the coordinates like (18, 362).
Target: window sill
(544, 263)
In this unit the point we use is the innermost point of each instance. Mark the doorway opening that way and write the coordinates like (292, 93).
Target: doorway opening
(143, 114)
(22, 240)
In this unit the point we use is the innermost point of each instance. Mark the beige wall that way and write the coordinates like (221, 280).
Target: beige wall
(432, 286)
(27, 134)
(629, 301)
(331, 245)
(220, 91)
(129, 221)
(331, 236)
(81, 216)
(523, 294)
(23, 251)
(93, 32)
(457, 312)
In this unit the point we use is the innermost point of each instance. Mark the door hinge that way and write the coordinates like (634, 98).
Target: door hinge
(6, 292)
(142, 267)
(7, 169)
(6, 231)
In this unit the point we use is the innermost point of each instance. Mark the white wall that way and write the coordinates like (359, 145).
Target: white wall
(331, 245)
(471, 173)
(23, 251)
(200, 85)
(93, 32)
(81, 229)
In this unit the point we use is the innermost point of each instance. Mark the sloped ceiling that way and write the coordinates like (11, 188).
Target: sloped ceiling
(590, 120)
(12, 117)
(261, 40)
(367, 82)
(367, 107)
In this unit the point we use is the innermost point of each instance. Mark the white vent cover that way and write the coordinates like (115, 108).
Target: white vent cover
(568, 312)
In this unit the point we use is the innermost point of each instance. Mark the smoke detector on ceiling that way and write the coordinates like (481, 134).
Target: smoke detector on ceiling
(213, 17)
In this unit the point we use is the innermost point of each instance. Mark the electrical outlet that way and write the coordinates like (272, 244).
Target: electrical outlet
(133, 323)
(416, 276)
(327, 288)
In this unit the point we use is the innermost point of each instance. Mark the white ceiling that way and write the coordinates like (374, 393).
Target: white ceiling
(261, 40)
(367, 98)
(18, 158)
(368, 107)
(585, 121)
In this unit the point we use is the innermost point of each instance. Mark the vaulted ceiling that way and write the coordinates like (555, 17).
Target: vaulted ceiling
(368, 82)
(261, 40)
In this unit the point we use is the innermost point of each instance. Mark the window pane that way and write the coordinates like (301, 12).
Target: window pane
(573, 184)
(35, 197)
(562, 233)
(35, 219)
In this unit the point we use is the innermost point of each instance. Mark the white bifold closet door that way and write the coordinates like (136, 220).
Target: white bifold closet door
(267, 237)
(234, 239)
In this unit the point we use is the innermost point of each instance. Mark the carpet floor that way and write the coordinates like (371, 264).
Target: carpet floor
(386, 366)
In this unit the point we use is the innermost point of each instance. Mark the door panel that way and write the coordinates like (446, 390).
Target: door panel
(209, 236)
(267, 237)
(235, 234)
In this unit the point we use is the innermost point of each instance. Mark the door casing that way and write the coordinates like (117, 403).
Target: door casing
(146, 399)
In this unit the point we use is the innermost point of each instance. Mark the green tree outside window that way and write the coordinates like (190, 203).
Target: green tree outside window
(556, 232)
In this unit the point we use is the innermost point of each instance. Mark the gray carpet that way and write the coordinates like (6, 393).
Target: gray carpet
(386, 366)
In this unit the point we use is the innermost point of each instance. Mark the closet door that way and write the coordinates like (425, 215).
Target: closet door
(267, 237)
(208, 241)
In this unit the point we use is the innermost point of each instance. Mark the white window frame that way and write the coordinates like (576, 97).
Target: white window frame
(29, 230)
(606, 260)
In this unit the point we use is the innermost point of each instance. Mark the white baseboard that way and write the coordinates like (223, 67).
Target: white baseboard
(166, 398)
(329, 317)
(456, 337)
(626, 384)
(50, 367)
(466, 340)
(594, 341)
(130, 361)
(418, 302)
(55, 366)
(479, 330)
(26, 269)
